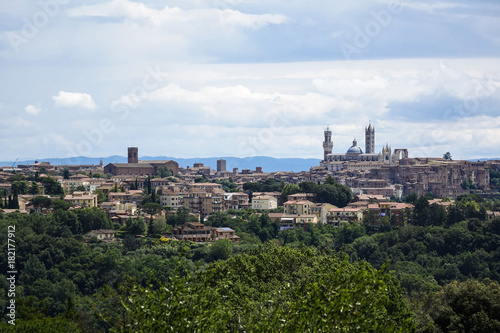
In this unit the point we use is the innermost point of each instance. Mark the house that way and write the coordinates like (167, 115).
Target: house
(264, 202)
(298, 207)
(397, 211)
(292, 221)
(171, 199)
(235, 200)
(131, 196)
(198, 232)
(82, 199)
(225, 233)
(301, 197)
(339, 216)
(102, 234)
(193, 231)
(320, 210)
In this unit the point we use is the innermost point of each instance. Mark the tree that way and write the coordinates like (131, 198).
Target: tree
(274, 289)
(152, 208)
(164, 172)
(34, 188)
(60, 204)
(469, 306)
(101, 196)
(41, 202)
(158, 226)
(52, 187)
(308, 187)
(131, 243)
(447, 156)
(289, 189)
(92, 219)
(220, 250)
(81, 188)
(65, 173)
(137, 226)
(19, 187)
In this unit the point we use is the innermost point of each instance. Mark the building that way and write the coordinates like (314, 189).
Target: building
(131, 196)
(221, 165)
(171, 199)
(102, 234)
(264, 202)
(339, 216)
(82, 199)
(193, 231)
(297, 207)
(134, 167)
(355, 153)
(198, 232)
(397, 212)
(320, 210)
(133, 155)
(235, 200)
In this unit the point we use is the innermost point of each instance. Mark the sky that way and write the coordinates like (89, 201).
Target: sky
(242, 78)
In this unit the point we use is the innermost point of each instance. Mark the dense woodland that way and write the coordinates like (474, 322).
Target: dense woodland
(439, 273)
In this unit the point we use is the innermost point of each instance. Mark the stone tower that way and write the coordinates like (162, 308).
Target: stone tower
(133, 155)
(327, 144)
(370, 139)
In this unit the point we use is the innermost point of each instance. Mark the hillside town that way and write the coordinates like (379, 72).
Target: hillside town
(377, 181)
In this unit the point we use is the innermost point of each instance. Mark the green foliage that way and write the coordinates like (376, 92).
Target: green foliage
(52, 187)
(136, 226)
(494, 177)
(227, 184)
(289, 189)
(164, 172)
(81, 188)
(274, 290)
(20, 187)
(92, 219)
(34, 189)
(65, 173)
(469, 306)
(41, 202)
(182, 216)
(329, 192)
(268, 185)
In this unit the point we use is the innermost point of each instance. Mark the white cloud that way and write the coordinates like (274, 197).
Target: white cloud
(138, 11)
(33, 109)
(74, 100)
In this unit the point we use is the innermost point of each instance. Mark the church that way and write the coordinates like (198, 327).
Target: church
(356, 154)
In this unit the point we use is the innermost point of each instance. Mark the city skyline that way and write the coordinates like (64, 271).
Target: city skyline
(237, 78)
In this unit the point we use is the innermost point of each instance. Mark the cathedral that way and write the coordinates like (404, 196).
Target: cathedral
(355, 153)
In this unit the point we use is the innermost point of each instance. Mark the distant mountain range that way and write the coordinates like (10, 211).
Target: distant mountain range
(268, 164)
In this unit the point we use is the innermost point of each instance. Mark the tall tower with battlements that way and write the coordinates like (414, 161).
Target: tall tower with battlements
(370, 139)
(327, 144)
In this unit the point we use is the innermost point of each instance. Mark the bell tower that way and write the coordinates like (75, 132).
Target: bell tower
(133, 155)
(370, 139)
(327, 144)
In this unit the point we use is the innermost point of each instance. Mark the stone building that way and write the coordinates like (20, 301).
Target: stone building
(356, 154)
(134, 167)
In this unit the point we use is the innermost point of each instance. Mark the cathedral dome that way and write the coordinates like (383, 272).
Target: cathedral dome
(354, 148)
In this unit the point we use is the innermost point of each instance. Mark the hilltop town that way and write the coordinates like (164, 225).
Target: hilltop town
(377, 183)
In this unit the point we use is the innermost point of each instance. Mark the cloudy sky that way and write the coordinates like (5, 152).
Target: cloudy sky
(213, 78)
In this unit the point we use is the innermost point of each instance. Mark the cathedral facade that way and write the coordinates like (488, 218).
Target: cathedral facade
(356, 154)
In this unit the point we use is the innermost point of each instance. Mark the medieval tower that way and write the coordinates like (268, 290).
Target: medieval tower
(370, 139)
(133, 155)
(327, 144)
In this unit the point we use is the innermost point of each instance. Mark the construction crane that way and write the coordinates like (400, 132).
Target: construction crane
(14, 162)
